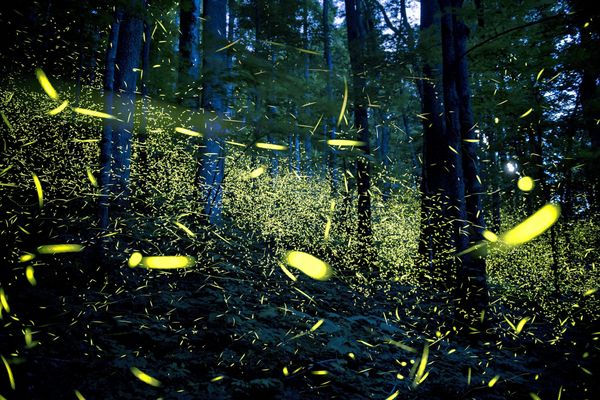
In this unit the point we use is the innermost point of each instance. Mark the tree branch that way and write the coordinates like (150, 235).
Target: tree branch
(516, 28)
(386, 18)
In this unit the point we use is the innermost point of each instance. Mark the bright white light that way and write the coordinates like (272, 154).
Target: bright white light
(511, 167)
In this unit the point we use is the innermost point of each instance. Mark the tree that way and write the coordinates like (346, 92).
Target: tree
(106, 141)
(357, 29)
(329, 124)
(212, 162)
(451, 186)
(471, 275)
(120, 79)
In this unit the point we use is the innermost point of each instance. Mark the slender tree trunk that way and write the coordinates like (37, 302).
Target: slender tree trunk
(384, 151)
(496, 167)
(231, 10)
(106, 141)
(411, 146)
(456, 187)
(188, 77)
(127, 65)
(329, 124)
(308, 147)
(294, 151)
(143, 133)
(471, 273)
(436, 234)
(357, 37)
(189, 53)
(214, 99)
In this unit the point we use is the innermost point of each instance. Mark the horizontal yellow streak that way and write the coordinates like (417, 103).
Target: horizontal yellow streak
(270, 146)
(308, 264)
(167, 262)
(188, 132)
(59, 248)
(346, 142)
(235, 143)
(92, 113)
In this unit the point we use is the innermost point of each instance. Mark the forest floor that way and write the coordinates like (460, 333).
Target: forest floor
(236, 327)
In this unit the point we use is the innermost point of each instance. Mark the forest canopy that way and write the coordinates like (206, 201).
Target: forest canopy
(218, 199)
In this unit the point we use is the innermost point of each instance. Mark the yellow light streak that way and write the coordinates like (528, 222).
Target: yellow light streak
(167, 262)
(257, 172)
(46, 85)
(270, 146)
(91, 177)
(526, 113)
(344, 102)
(327, 228)
(309, 265)
(185, 229)
(188, 132)
(227, 46)
(59, 109)
(493, 381)
(93, 113)
(135, 259)
(420, 375)
(533, 226)
(144, 377)
(490, 236)
(287, 272)
(59, 248)
(11, 377)
(4, 300)
(317, 325)
(38, 188)
(30, 275)
(346, 142)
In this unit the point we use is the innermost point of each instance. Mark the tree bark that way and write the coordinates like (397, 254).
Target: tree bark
(143, 133)
(471, 274)
(106, 141)
(189, 53)
(329, 124)
(212, 162)
(127, 65)
(435, 242)
(357, 30)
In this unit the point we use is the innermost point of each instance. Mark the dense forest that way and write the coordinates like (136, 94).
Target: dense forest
(299, 199)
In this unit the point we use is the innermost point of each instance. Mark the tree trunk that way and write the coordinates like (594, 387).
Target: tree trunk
(212, 163)
(384, 151)
(436, 234)
(106, 141)
(329, 124)
(231, 5)
(471, 274)
(127, 64)
(357, 37)
(143, 133)
(308, 147)
(189, 53)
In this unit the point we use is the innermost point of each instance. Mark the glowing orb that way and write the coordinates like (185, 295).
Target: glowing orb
(525, 184)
